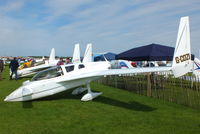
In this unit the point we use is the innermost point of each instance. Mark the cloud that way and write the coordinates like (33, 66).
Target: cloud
(110, 25)
(58, 8)
(12, 6)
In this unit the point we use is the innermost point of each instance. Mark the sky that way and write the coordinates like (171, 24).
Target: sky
(33, 27)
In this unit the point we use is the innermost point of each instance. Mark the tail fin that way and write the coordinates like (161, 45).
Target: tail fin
(52, 56)
(88, 54)
(76, 55)
(182, 54)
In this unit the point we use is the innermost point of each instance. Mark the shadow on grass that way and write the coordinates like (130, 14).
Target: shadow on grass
(27, 104)
(133, 105)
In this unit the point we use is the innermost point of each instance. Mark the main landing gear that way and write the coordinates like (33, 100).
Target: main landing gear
(89, 96)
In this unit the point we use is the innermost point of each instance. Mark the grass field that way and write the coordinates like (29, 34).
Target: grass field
(114, 112)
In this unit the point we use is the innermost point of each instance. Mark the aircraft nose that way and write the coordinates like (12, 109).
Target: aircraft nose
(6, 99)
(15, 94)
(19, 94)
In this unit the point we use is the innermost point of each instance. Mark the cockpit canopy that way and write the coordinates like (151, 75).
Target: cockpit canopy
(48, 74)
(55, 72)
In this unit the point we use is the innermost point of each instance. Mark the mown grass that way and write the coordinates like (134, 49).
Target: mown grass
(114, 112)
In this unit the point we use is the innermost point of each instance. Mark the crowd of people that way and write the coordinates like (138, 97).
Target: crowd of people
(62, 62)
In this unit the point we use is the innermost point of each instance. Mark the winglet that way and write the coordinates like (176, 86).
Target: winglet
(76, 55)
(88, 54)
(52, 56)
(182, 54)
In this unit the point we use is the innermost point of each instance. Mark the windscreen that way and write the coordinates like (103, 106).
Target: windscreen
(48, 74)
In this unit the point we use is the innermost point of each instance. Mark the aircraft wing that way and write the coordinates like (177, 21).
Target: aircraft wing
(32, 70)
(119, 72)
(35, 68)
(133, 70)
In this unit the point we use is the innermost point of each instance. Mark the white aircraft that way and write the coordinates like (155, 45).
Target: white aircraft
(40, 59)
(52, 62)
(64, 77)
(121, 64)
(32, 70)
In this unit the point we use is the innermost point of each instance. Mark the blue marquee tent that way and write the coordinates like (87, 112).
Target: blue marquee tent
(152, 52)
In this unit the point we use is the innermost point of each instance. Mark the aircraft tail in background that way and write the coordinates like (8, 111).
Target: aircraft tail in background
(88, 54)
(76, 55)
(52, 56)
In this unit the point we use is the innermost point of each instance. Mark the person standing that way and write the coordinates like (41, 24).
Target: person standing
(1, 68)
(14, 66)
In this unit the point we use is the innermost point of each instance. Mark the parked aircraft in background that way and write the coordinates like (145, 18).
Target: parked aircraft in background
(32, 70)
(122, 64)
(196, 70)
(64, 77)
(47, 64)
(40, 59)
